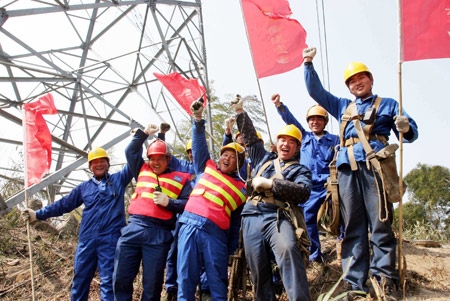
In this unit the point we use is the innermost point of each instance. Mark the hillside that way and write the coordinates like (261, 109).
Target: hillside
(428, 269)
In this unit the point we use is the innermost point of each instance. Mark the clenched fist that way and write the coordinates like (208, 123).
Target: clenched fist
(229, 123)
(276, 99)
(151, 129)
(309, 54)
(197, 109)
(237, 104)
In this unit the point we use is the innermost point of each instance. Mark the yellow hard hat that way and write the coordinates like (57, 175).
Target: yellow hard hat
(189, 145)
(233, 146)
(354, 68)
(97, 153)
(258, 134)
(292, 131)
(237, 135)
(317, 110)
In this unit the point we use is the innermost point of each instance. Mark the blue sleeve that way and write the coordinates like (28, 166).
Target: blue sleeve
(64, 205)
(200, 151)
(334, 105)
(181, 165)
(288, 118)
(177, 205)
(413, 132)
(125, 176)
(133, 152)
(227, 139)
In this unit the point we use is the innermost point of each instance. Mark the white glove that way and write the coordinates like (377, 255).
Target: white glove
(402, 123)
(309, 53)
(29, 215)
(160, 198)
(276, 99)
(237, 104)
(229, 123)
(197, 109)
(261, 184)
(151, 129)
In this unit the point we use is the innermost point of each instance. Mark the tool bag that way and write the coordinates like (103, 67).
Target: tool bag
(389, 174)
(328, 216)
(382, 163)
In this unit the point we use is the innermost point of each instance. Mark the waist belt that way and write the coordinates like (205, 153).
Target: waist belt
(354, 140)
(266, 197)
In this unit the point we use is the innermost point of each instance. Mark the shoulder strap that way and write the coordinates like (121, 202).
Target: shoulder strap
(277, 166)
(370, 153)
(368, 127)
(279, 169)
(345, 119)
(263, 168)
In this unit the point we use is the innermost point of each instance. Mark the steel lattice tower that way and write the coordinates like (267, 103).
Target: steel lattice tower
(97, 58)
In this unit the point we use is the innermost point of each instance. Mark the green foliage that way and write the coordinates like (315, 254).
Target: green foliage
(9, 223)
(412, 214)
(424, 231)
(428, 189)
(220, 110)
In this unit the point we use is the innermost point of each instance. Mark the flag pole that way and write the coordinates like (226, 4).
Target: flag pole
(401, 258)
(30, 250)
(257, 79)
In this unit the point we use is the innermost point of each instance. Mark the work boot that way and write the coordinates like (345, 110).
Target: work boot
(386, 289)
(205, 296)
(352, 293)
(390, 289)
(164, 127)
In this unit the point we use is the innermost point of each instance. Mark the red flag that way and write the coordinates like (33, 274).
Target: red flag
(185, 91)
(38, 140)
(276, 41)
(425, 29)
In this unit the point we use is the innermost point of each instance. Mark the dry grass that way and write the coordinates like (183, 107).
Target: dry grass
(428, 269)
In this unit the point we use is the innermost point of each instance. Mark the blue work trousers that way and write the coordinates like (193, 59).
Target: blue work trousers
(310, 210)
(199, 249)
(149, 245)
(92, 254)
(171, 264)
(360, 209)
(263, 232)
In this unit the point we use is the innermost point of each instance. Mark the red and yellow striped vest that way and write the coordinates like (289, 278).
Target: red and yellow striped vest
(142, 200)
(216, 195)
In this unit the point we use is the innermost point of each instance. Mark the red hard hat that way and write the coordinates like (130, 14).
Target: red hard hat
(158, 147)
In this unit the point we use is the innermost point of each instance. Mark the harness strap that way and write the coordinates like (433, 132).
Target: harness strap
(351, 114)
(267, 197)
(372, 161)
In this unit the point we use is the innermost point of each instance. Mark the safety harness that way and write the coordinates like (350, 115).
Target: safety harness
(329, 213)
(351, 114)
(372, 158)
(293, 213)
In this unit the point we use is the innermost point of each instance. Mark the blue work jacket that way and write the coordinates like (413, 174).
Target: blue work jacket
(316, 154)
(336, 106)
(104, 205)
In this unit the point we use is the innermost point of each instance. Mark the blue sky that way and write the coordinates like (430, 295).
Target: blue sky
(355, 30)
